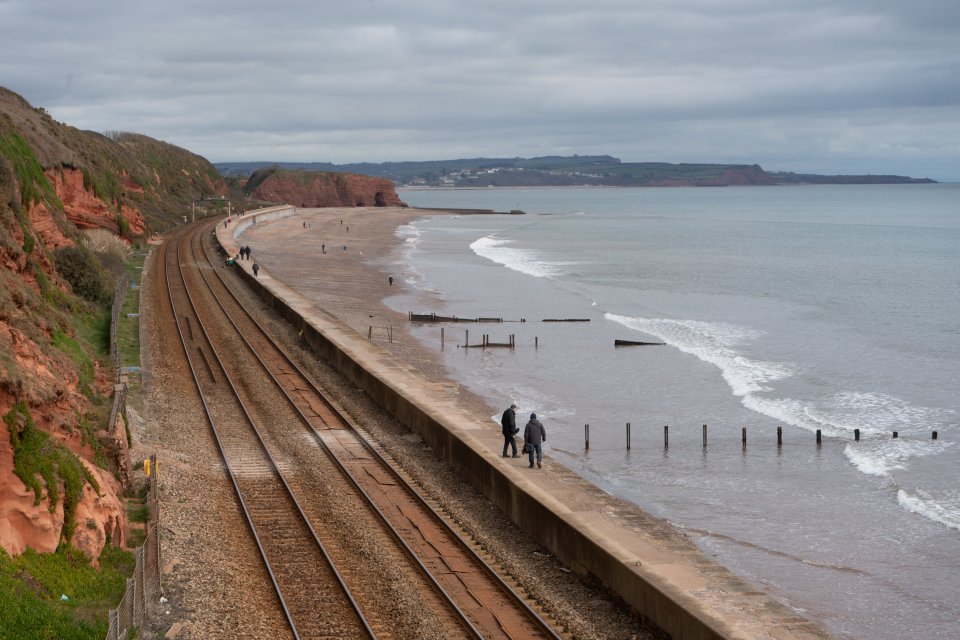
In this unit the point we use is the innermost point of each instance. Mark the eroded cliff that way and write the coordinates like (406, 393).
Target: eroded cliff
(60, 460)
(321, 189)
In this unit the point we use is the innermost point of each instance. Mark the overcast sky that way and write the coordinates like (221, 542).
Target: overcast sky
(828, 86)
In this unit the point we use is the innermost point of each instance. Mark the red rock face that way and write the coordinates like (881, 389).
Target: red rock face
(85, 210)
(25, 524)
(323, 189)
(52, 389)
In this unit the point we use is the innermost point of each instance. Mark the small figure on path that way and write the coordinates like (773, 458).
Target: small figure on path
(508, 423)
(534, 435)
(256, 271)
(344, 247)
(390, 280)
(323, 248)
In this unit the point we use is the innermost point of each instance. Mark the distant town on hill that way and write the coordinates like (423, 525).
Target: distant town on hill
(565, 171)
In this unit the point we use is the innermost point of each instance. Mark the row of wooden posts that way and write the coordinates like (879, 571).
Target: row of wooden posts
(486, 343)
(743, 436)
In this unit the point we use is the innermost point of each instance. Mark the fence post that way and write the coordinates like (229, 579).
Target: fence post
(779, 436)
(628, 436)
(743, 437)
(704, 436)
(666, 436)
(586, 436)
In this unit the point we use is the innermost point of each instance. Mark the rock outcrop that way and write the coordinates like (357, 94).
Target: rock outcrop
(321, 189)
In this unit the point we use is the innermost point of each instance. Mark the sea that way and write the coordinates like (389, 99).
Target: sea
(806, 309)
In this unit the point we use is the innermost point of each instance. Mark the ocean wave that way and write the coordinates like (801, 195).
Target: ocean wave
(713, 342)
(498, 250)
(927, 507)
(882, 457)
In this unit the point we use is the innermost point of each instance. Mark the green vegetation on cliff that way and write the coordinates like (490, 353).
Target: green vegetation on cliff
(32, 587)
(37, 456)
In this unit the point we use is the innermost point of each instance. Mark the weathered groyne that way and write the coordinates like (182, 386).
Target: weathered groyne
(678, 589)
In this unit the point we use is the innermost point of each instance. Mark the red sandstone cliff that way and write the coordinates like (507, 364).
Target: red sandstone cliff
(56, 181)
(322, 189)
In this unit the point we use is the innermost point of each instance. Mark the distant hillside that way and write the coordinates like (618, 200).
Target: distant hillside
(562, 171)
(783, 177)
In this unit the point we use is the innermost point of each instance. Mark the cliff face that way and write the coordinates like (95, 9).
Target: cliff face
(55, 182)
(322, 189)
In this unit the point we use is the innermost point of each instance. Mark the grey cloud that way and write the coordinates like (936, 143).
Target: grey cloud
(811, 85)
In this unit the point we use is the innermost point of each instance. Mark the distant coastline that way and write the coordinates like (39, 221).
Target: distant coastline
(566, 171)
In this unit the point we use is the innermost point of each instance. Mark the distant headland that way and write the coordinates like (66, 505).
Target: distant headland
(566, 171)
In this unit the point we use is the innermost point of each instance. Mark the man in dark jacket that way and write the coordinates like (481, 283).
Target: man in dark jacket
(534, 435)
(509, 428)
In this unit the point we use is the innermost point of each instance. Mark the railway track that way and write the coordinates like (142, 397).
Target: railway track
(313, 595)
(472, 591)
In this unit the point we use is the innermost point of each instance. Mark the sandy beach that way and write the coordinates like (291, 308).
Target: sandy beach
(352, 283)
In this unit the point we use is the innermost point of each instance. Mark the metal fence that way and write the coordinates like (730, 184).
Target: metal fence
(118, 297)
(144, 586)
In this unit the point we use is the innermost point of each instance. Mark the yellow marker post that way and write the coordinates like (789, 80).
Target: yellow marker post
(146, 467)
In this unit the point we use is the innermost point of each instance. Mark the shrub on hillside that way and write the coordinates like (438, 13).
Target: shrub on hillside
(77, 266)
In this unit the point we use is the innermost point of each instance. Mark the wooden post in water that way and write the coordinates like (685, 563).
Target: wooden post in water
(895, 434)
(370, 333)
(586, 436)
(441, 338)
(934, 436)
(779, 436)
(536, 342)
(466, 338)
(743, 437)
(704, 436)
(628, 436)
(818, 437)
(856, 435)
(666, 436)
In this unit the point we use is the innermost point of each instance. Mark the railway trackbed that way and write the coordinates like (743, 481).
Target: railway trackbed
(352, 547)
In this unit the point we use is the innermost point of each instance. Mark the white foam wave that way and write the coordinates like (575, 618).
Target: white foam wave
(882, 457)
(925, 506)
(498, 250)
(713, 342)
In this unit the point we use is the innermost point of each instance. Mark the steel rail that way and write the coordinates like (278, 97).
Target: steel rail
(269, 565)
(370, 448)
(371, 503)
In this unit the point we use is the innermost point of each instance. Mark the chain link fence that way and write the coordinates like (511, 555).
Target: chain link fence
(144, 586)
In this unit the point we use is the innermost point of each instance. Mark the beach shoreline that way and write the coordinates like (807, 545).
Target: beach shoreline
(339, 260)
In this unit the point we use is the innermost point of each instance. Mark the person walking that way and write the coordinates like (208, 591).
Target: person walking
(256, 272)
(534, 435)
(508, 424)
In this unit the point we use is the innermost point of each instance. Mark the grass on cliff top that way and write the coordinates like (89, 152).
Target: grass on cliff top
(31, 586)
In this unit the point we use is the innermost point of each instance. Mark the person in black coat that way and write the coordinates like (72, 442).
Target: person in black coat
(509, 428)
(534, 435)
